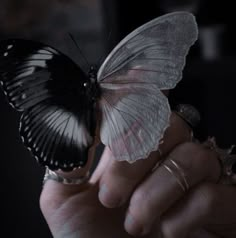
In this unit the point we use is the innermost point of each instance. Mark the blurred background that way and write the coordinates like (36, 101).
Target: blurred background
(98, 25)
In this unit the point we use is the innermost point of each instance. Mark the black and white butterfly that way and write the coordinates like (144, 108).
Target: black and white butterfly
(59, 101)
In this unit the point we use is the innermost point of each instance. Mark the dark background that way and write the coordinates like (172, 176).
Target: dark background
(208, 80)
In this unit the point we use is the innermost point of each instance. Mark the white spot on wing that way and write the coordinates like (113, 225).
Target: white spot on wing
(26, 128)
(73, 129)
(5, 54)
(11, 104)
(14, 85)
(40, 57)
(25, 74)
(42, 51)
(40, 63)
(23, 96)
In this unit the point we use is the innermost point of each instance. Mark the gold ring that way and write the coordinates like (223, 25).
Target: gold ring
(175, 169)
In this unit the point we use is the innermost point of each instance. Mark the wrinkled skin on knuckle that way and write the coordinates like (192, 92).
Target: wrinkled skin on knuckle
(141, 206)
(198, 162)
(167, 230)
(206, 198)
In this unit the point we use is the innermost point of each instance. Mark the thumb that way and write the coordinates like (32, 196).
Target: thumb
(54, 194)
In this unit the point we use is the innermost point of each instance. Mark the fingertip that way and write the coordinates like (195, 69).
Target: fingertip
(169, 230)
(132, 227)
(135, 228)
(107, 198)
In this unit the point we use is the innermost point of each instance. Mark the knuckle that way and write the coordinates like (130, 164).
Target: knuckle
(206, 196)
(196, 162)
(188, 149)
(197, 159)
(190, 156)
(197, 150)
(141, 207)
(167, 230)
(138, 197)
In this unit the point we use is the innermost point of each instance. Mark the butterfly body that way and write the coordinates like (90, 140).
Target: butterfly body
(59, 101)
(93, 86)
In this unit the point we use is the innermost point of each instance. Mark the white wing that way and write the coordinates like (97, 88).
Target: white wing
(131, 121)
(148, 60)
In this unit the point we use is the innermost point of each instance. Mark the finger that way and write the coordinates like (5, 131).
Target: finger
(201, 233)
(162, 189)
(212, 204)
(118, 179)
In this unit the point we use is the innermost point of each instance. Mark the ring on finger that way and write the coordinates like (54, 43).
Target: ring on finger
(227, 159)
(189, 114)
(52, 175)
(175, 169)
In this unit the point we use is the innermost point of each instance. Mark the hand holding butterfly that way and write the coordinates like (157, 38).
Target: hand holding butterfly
(57, 100)
(146, 200)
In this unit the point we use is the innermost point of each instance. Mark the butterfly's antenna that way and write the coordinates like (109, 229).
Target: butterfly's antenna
(109, 35)
(80, 51)
(108, 39)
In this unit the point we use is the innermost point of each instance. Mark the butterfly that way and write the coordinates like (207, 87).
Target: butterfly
(60, 104)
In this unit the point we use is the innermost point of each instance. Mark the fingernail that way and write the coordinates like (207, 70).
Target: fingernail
(107, 198)
(132, 227)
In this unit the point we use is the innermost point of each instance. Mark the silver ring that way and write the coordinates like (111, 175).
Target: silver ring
(49, 174)
(229, 173)
(189, 114)
(227, 161)
(175, 169)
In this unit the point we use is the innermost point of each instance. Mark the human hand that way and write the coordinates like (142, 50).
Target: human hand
(146, 201)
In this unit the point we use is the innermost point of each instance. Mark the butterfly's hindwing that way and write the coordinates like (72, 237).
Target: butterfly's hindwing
(58, 138)
(124, 126)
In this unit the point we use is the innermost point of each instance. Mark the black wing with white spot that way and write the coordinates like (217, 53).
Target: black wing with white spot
(57, 124)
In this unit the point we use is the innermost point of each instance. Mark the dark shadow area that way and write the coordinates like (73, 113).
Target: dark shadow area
(208, 79)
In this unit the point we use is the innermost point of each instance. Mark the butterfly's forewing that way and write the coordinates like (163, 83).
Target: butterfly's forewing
(156, 52)
(151, 57)
(57, 124)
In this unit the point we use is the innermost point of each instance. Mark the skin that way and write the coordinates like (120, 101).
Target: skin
(142, 199)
